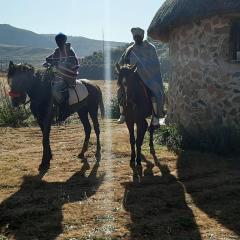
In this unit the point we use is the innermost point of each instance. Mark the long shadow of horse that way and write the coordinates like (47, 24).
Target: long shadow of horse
(35, 211)
(214, 185)
(157, 206)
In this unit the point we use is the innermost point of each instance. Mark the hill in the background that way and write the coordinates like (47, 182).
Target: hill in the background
(22, 45)
(34, 56)
(13, 36)
(10, 35)
(85, 46)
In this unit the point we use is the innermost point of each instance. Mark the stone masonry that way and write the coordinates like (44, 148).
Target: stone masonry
(204, 89)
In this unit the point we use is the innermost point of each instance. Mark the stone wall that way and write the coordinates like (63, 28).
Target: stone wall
(204, 89)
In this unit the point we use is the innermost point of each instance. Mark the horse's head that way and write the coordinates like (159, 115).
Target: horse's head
(19, 80)
(126, 74)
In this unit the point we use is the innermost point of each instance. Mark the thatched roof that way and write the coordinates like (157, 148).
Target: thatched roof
(174, 13)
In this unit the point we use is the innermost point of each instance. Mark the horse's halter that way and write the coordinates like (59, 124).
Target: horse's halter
(18, 97)
(11, 93)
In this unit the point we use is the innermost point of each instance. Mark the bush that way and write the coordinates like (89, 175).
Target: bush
(9, 116)
(219, 140)
(114, 111)
(169, 136)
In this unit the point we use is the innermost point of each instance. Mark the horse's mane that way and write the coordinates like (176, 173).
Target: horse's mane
(21, 67)
(124, 67)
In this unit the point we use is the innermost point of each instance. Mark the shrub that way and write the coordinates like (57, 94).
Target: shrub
(114, 111)
(218, 139)
(169, 136)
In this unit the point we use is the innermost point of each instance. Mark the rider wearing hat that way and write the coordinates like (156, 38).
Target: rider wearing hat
(67, 65)
(143, 54)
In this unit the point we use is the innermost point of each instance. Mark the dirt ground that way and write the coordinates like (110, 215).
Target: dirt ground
(190, 196)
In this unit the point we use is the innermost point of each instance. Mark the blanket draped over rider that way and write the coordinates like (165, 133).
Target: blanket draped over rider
(145, 57)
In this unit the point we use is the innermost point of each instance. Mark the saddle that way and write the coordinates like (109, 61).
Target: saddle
(78, 92)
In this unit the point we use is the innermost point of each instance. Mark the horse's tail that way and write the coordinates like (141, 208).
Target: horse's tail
(101, 104)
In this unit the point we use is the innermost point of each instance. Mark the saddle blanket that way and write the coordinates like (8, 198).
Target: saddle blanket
(78, 93)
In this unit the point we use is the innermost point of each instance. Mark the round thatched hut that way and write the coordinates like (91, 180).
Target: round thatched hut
(204, 43)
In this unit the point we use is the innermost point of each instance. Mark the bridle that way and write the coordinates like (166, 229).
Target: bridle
(18, 94)
(14, 94)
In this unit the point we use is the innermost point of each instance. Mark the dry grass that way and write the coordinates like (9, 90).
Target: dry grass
(101, 84)
(193, 196)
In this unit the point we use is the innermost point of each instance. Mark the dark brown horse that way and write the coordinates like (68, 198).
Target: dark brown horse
(23, 81)
(137, 107)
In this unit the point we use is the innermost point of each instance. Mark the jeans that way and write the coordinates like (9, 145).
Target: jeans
(60, 91)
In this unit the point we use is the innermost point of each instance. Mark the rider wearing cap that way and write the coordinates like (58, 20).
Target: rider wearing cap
(67, 65)
(143, 54)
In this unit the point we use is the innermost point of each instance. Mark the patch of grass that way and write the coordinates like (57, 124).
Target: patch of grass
(3, 237)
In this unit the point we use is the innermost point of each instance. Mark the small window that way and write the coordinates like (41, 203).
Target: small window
(235, 41)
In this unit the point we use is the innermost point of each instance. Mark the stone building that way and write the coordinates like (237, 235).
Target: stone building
(204, 43)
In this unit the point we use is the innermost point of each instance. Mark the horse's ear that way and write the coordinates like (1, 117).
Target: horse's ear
(118, 67)
(134, 68)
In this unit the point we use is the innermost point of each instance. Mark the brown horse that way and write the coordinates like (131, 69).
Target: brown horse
(23, 81)
(137, 107)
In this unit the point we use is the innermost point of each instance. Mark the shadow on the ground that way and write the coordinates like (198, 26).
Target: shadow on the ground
(214, 185)
(157, 206)
(35, 211)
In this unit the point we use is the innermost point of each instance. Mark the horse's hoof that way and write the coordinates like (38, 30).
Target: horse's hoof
(139, 162)
(81, 156)
(139, 171)
(98, 156)
(43, 167)
(152, 151)
(132, 163)
(86, 165)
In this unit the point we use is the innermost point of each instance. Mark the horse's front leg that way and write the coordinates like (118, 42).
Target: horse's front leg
(151, 145)
(130, 126)
(47, 152)
(45, 126)
(141, 130)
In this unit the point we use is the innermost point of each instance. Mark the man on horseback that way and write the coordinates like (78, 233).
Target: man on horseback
(143, 54)
(67, 65)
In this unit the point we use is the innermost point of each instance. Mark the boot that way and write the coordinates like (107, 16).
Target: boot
(121, 120)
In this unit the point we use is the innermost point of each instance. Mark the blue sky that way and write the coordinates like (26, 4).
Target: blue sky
(80, 17)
